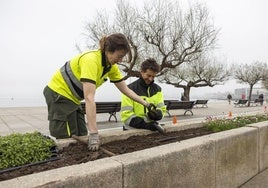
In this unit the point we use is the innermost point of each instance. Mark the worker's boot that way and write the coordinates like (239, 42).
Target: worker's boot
(159, 127)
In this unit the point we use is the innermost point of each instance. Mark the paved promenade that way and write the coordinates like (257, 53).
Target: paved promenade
(29, 119)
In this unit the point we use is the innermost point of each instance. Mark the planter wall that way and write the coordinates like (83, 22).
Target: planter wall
(225, 159)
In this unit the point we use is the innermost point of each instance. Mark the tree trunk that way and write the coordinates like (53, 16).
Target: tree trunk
(250, 93)
(186, 93)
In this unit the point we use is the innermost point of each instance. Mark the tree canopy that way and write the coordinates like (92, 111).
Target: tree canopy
(178, 37)
(250, 74)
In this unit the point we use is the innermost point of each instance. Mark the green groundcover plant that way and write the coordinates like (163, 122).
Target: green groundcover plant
(19, 149)
(222, 124)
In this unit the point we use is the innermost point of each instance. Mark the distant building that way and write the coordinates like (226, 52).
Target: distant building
(241, 93)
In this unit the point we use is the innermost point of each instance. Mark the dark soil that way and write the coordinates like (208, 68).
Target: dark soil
(77, 153)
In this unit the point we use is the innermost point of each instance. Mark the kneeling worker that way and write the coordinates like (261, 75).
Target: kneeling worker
(137, 116)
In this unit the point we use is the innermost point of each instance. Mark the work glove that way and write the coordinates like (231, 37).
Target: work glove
(94, 142)
(155, 114)
(151, 106)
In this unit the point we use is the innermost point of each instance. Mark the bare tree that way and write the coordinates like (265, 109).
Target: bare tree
(250, 74)
(202, 72)
(265, 79)
(163, 30)
(265, 83)
(178, 36)
(160, 29)
(124, 20)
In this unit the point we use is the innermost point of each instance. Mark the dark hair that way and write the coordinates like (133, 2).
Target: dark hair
(150, 63)
(114, 42)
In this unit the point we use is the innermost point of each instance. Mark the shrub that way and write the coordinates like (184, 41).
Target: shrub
(20, 149)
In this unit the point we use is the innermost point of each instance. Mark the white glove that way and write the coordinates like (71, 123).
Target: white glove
(94, 142)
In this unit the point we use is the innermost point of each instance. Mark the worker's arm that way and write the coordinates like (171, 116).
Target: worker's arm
(89, 94)
(122, 86)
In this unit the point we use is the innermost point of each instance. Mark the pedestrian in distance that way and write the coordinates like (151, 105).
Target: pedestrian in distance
(133, 114)
(183, 98)
(261, 99)
(229, 97)
(77, 80)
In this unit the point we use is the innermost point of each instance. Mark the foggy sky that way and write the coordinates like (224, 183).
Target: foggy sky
(38, 36)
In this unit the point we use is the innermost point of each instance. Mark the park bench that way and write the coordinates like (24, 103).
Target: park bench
(240, 102)
(201, 103)
(176, 105)
(106, 107)
(256, 102)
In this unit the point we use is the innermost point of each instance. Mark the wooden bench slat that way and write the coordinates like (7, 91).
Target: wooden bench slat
(256, 102)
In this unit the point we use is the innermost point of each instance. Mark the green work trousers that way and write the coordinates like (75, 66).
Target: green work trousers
(65, 117)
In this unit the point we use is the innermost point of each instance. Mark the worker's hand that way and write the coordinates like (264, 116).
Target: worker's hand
(94, 142)
(151, 106)
(155, 114)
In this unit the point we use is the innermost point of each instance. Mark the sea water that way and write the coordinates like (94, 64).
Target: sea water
(22, 102)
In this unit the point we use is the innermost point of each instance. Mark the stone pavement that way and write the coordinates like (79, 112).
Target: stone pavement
(259, 181)
(29, 119)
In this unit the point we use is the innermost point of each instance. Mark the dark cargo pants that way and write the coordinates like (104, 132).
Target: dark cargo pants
(65, 117)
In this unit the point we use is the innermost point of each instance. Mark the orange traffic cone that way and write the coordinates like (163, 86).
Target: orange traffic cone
(174, 120)
(230, 114)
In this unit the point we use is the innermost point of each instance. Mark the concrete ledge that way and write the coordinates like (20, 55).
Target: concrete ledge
(225, 159)
(100, 173)
(171, 165)
(263, 144)
(236, 156)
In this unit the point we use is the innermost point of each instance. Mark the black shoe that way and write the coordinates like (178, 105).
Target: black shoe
(159, 128)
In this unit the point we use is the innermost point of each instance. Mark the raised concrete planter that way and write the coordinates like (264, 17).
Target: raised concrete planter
(263, 144)
(225, 159)
(236, 156)
(180, 164)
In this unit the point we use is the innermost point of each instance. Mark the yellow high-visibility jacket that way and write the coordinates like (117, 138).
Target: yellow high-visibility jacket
(89, 66)
(151, 93)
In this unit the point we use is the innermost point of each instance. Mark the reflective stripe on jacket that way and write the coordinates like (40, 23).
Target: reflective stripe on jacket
(74, 84)
(90, 66)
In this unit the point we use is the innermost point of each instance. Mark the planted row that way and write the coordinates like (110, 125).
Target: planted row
(222, 124)
(19, 149)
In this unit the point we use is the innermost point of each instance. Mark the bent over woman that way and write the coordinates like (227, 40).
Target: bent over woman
(78, 80)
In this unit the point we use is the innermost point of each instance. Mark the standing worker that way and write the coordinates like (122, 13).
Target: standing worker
(135, 115)
(78, 80)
